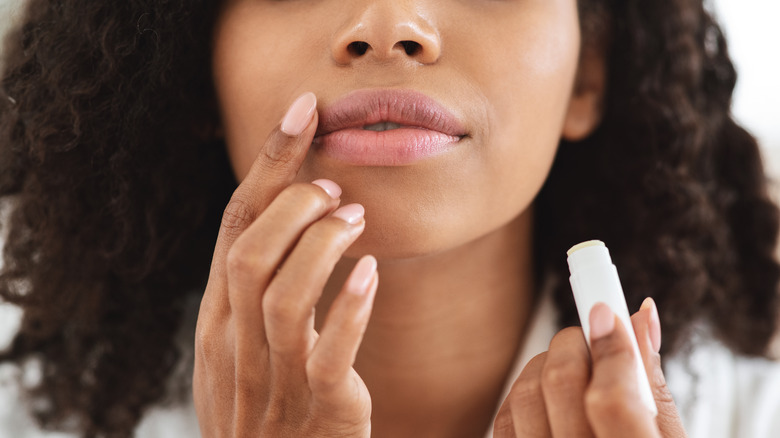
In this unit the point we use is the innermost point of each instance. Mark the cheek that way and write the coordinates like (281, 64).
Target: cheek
(260, 66)
(533, 60)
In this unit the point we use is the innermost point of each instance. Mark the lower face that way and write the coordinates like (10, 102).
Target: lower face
(503, 68)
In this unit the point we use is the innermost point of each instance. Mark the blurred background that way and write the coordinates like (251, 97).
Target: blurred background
(754, 41)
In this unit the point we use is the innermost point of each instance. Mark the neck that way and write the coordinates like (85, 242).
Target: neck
(444, 333)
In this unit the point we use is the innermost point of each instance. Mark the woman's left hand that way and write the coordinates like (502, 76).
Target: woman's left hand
(563, 393)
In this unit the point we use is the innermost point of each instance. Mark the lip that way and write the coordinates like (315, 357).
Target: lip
(427, 128)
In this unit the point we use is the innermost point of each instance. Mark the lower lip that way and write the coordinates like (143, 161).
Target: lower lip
(394, 147)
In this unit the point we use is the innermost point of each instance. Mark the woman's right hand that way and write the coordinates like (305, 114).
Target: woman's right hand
(260, 367)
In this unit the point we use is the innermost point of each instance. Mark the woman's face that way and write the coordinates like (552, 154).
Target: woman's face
(503, 69)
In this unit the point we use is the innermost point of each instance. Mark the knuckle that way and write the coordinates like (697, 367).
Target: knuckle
(325, 236)
(242, 262)
(568, 336)
(300, 194)
(237, 216)
(661, 394)
(277, 308)
(569, 331)
(236, 260)
(558, 376)
(525, 391)
(601, 400)
(617, 351)
(277, 153)
(503, 425)
(323, 375)
(528, 385)
(207, 343)
(248, 260)
(622, 355)
(608, 400)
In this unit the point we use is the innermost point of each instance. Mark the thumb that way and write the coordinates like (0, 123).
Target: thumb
(647, 327)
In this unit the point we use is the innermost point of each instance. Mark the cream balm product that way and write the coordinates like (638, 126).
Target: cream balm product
(594, 279)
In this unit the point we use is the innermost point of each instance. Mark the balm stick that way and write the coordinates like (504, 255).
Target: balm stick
(594, 279)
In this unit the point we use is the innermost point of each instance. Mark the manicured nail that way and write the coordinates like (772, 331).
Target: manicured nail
(351, 213)
(331, 188)
(602, 321)
(362, 275)
(299, 114)
(653, 324)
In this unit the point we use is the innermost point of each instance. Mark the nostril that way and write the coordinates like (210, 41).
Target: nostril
(358, 48)
(411, 47)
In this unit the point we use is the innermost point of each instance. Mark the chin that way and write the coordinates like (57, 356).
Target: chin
(406, 236)
(396, 241)
(384, 248)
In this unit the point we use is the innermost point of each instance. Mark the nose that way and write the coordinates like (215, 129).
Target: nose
(387, 30)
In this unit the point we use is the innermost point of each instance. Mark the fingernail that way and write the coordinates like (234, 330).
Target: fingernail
(331, 188)
(299, 114)
(602, 321)
(654, 323)
(351, 213)
(362, 275)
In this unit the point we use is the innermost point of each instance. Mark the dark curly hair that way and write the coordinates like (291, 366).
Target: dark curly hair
(116, 182)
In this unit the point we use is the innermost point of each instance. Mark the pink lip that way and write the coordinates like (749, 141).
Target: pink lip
(427, 128)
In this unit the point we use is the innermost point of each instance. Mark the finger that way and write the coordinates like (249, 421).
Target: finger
(647, 327)
(277, 163)
(564, 379)
(257, 254)
(612, 401)
(503, 425)
(524, 408)
(289, 301)
(333, 356)
(212, 346)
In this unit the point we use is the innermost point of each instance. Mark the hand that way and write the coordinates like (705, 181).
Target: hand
(260, 367)
(560, 393)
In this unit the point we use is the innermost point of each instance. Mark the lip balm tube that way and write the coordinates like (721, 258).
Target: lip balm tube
(594, 279)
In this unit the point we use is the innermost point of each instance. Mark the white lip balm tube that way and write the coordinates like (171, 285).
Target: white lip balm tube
(594, 279)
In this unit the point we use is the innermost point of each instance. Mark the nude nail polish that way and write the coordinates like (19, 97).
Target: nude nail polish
(351, 213)
(299, 114)
(654, 323)
(602, 321)
(362, 274)
(331, 188)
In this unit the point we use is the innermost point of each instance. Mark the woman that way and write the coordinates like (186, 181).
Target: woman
(509, 131)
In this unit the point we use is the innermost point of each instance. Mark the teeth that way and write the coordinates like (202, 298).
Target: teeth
(382, 126)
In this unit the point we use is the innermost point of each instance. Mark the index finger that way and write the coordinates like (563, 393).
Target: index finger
(274, 168)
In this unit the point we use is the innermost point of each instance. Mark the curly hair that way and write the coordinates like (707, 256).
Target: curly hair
(116, 183)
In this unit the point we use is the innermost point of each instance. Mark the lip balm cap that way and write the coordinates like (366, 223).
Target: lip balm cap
(584, 245)
(587, 255)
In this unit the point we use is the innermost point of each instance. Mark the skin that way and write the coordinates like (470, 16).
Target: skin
(290, 340)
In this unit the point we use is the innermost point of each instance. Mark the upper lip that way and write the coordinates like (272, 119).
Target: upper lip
(405, 107)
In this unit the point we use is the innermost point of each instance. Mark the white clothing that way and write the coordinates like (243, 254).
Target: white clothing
(719, 395)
